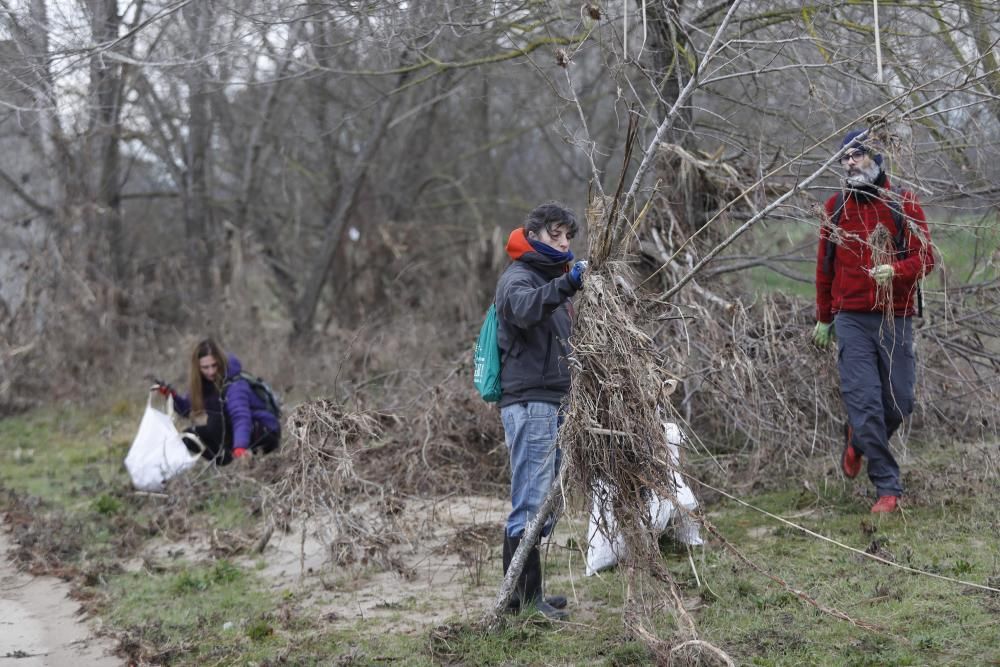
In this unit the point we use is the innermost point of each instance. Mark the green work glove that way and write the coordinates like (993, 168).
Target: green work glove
(883, 273)
(823, 334)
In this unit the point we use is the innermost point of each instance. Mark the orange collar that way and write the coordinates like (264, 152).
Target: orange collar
(518, 244)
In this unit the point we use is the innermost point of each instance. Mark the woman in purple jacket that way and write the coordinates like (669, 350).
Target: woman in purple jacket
(231, 421)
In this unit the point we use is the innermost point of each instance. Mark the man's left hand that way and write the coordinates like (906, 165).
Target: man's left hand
(883, 273)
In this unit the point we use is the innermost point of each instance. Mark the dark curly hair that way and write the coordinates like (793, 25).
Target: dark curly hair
(550, 216)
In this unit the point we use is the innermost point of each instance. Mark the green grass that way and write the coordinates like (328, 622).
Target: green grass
(65, 453)
(178, 611)
(924, 620)
(764, 280)
(530, 642)
(207, 611)
(965, 245)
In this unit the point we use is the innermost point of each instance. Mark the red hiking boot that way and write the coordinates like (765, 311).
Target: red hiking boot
(885, 504)
(850, 460)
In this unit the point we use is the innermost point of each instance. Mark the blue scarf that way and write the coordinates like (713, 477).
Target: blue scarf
(550, 253)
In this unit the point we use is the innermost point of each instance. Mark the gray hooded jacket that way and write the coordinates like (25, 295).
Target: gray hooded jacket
(535, 322)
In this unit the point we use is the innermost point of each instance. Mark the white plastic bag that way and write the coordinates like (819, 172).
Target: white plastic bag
(157, 452)
(687, 530)
(674, 437)
(604, 552)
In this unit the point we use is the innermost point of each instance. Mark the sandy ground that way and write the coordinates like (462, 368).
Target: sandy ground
(439, 582)
(446, 566)
(39, 625)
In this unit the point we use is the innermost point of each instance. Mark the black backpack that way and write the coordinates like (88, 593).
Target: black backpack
(261, 389)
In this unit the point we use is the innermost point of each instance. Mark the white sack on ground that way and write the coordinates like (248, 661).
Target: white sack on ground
(603, 552)
(157, 452)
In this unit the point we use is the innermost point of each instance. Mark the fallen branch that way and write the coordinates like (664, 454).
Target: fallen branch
(491, 620)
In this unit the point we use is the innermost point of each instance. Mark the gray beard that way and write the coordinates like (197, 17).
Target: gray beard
(864, 176)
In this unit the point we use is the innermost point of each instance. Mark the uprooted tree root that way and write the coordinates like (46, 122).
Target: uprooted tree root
(613, 440)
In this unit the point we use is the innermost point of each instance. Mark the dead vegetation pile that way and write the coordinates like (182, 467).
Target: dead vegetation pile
(757, 394)
(352, 471)
(614, 443)
(320, 484)
(47, 542)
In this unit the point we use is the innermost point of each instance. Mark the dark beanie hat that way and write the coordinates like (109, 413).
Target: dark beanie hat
(851, 139)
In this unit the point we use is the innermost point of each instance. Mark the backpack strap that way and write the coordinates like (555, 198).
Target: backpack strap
(831, 247)
(899, 218)
(230, 381)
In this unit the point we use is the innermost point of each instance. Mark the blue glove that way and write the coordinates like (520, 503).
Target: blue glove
(576, 273)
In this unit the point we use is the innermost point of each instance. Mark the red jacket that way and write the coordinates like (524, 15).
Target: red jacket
(850, 287)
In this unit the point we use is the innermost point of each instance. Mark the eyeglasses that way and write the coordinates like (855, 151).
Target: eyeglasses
(851, 155)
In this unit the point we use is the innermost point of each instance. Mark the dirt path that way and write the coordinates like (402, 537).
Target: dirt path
(39, 626)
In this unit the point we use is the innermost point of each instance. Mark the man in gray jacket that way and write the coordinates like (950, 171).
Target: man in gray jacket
(535, 321)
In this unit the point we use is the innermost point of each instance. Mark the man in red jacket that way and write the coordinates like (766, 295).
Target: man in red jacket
(867, 285)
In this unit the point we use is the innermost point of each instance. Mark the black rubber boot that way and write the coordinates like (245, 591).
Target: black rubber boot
(532, 578)
(510, 545)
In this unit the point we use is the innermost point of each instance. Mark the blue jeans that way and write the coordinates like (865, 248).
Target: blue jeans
(530, 430)
(877, 377)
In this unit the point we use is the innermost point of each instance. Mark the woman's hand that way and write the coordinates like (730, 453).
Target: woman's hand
(164, 389)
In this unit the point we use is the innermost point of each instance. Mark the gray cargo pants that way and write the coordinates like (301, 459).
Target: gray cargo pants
(877, 375)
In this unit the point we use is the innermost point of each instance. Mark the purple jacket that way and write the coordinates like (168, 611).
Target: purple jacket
(243, 407)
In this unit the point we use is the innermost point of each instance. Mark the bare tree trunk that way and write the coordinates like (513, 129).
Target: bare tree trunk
(986, 45)
(669, 46)
(419, 140)
(35, 45)
(197, 211)
(255, 140)
(322, 267)
(106, 80)
(489, 179)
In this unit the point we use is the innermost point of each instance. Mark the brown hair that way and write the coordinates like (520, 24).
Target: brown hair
(205, 348)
